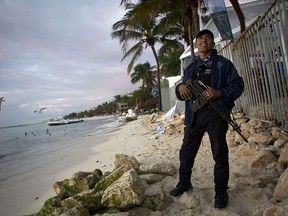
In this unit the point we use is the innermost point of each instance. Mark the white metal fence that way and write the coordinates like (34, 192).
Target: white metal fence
(261, 57)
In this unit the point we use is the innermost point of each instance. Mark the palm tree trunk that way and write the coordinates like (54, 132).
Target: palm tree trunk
(193, 26)
(239, 13)
(195, 19)
(191, 39)
(158, 79)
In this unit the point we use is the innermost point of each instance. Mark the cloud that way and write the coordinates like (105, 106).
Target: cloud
(59, 55)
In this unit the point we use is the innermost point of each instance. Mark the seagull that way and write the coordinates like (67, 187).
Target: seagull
(40, 111)
(1, 100)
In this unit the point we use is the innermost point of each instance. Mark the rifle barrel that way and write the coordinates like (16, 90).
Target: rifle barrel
(196, 89)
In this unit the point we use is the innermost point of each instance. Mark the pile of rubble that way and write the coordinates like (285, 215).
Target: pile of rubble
(133, 188)
(90, 193)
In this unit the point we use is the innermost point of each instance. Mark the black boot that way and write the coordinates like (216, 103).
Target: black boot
(221, 200)
(180, 189)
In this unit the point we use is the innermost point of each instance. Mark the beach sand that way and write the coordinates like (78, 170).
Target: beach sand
(134, 138)
(26, 193)
(121, 140)
(139, 138)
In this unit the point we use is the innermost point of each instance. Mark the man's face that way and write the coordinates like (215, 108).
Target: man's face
(204, 43)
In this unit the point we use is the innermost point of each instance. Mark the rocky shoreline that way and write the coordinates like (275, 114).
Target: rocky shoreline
(142, 177)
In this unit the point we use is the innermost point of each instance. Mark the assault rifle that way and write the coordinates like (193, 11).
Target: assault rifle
(197, 87)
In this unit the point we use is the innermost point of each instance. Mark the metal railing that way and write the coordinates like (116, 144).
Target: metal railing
(261, 57)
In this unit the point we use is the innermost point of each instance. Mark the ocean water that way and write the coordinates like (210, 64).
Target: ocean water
(33, 156)
(26, 149)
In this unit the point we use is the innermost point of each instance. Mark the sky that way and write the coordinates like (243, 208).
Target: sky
(59, 54)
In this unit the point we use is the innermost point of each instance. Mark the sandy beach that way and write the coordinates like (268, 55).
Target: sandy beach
(122, 140)
(139, 138)
(136, 138)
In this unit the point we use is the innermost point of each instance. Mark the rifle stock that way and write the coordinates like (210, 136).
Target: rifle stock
(197, 87)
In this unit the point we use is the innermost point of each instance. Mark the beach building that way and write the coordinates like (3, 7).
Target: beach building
(251, 11)
(260, 56)
(122, 107)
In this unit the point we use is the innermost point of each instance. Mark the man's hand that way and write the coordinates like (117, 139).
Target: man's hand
(211, 94)
(185, 92)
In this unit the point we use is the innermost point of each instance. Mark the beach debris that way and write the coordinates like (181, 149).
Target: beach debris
(69, 187)
(125, 192)
(156, 198)
(166, 169)
(281, 189)
(76, 210)
(263, 158)
(50, 208)
(130, 116)
(135, 188)
(106, 181)
(151, 178)
(167, 117)
(283, 156)
(80, 181)
(275, 210)
(121, 159)
(122, 189)
(89, 178)
(91, 201)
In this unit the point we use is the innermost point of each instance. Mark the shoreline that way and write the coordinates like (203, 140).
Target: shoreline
(139, 138)
(102, 157)
(27, 193)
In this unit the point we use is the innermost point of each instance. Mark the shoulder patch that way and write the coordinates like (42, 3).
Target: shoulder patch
(219, 65)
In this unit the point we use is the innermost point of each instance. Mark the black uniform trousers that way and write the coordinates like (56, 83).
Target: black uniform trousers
(206, 120)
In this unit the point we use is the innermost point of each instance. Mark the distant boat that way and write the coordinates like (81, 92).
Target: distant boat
(75, 121)
(64, 122)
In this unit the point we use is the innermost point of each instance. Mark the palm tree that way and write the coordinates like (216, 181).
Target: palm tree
(189, 11)
(124, 2)
(117, 98)
(143, 29)
(183, 10)
(170, 63)
(146, 74)
(240, 14)
(142, 23)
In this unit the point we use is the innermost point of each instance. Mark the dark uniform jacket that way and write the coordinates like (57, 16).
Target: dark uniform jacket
(224, 77)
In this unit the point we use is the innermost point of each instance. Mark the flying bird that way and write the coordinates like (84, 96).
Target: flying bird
(1, 100)
(40, 111)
